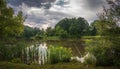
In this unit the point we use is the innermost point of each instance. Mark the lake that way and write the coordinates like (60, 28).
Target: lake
(39, 53)
(77, 46)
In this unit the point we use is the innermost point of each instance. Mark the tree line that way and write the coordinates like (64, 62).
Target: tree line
(72, 28)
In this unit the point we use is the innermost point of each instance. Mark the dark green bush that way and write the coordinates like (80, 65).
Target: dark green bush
(59, 54)
(102, 51)
(16, 60)
(11, 51)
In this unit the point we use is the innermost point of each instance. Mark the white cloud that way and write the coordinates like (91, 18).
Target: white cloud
(43, 18)
(76, 8)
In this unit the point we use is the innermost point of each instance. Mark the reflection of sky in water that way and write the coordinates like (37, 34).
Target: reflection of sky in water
(40, 50)
(39, 53)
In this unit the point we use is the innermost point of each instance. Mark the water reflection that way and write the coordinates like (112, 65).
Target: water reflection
(42, 53)
(39, 53)
(35, 54)
(77, 46)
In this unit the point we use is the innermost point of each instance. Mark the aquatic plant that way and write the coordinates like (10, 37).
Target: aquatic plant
(41, 54)
(59, 54)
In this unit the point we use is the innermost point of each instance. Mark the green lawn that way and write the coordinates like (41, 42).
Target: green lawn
(8, 65)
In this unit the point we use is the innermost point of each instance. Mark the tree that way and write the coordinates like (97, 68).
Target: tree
(10, 25)
(111, 19)
(50, 31)
(95, 30)
(108, 46)
(32, 33)
(73, 27)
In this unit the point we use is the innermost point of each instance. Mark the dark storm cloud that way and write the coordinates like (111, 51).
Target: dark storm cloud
(31, 3)
(46, 17)
(44, 13)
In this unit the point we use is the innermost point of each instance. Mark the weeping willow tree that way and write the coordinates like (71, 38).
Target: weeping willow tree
(10, 25)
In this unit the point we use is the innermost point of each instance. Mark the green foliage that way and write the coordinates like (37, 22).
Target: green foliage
(8, 51)
(5, 52)
(115, 48)
(59, 54)
(101, 50)
(52, 38)
(64, 35)
(61, 32)
(54, 55)
(107, 48)
(109, 20)
(16, 60)
(2, 4)
(90, 37)
(38, 37)
(50, 31)
(108, 26)
(95, 27)
(33, 33)
(10, 25)
(72, 27)
(6, 65)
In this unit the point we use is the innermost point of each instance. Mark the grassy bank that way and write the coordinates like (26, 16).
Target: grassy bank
(72, 39)
(8, 65)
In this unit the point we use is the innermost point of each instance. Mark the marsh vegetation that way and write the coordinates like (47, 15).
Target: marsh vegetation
(71, 44)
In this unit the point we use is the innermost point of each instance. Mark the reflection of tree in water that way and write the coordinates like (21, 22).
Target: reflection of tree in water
(77, 46)
(42, 58)
(35, 54)
(39, 54)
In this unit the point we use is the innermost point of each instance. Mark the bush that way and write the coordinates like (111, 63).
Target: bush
(16, 60)
(11, 51)
(64, 35)
(59, 54)
(6, 52)
(100, 48)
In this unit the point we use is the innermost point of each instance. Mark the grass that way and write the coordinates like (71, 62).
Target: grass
(72, 65)
(59, 54)
(53, 38)
(56, 38)
(90, 37)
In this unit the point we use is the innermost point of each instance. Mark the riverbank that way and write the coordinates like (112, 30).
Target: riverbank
(71, 65)
(56, 38)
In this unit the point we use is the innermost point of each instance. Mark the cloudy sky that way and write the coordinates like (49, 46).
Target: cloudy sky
(45, 13)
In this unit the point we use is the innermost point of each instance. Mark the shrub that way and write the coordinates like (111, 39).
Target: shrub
(100, 48)
(59, 54)
(16, 60)
(11, 51)
(6, 52)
